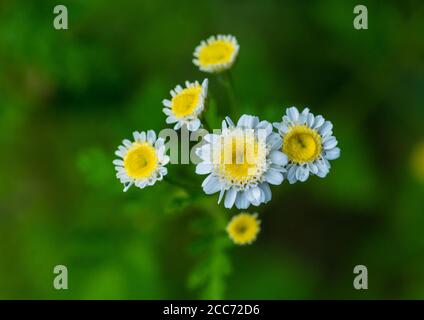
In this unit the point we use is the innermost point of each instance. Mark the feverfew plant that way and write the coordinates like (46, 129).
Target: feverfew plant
(242, 159)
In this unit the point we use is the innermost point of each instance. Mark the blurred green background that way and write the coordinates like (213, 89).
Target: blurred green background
(67, 99)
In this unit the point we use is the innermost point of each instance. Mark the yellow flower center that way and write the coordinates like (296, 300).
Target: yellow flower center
(217, 52)
(243, 228)
(140, 161)
(241, 158)
(184, 103)
(302, 144)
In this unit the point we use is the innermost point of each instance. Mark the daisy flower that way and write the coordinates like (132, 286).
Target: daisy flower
(142, 162)
(216, 54)
(186, 105)
(244, 228)
(308, 142)
(241, 162)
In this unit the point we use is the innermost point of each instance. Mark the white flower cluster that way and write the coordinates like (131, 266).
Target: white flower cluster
(240, 160)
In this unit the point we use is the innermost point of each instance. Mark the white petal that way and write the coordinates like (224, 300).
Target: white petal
(277, 125)
(205, 86)
(330, 143)
(326, 128)
(291, 174)
(248, 121)
(120, 153)
(221, 194)
(310, 120)
(160, 150)
(273, 177)
(167, 111)
(302, 173)
(241, 200)
(332, 154)
(256, 195)
(293, 114)
(165, 160)
(266, 191)
(230, 198)
(171, 119)
(118, 162)
(319, 121)
(282, 127)
(193, 125)
(279, 158)
(136, 135)
(207, 179)
(265, 125)
(323, 168)
(262, 197)
(229, 121)
(164, 171)
(143, 136)
(204, 168)
(204, 152)
(151, 136)
(211, 184)
(277, 167)
(159, 143)
(274, 141)
(303, 116)
(124, 179)
(140, 183)
(127, 143)
(166, 103)
(312, 168)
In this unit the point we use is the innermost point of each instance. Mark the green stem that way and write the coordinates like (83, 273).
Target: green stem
(227, 82)
(212, 245)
